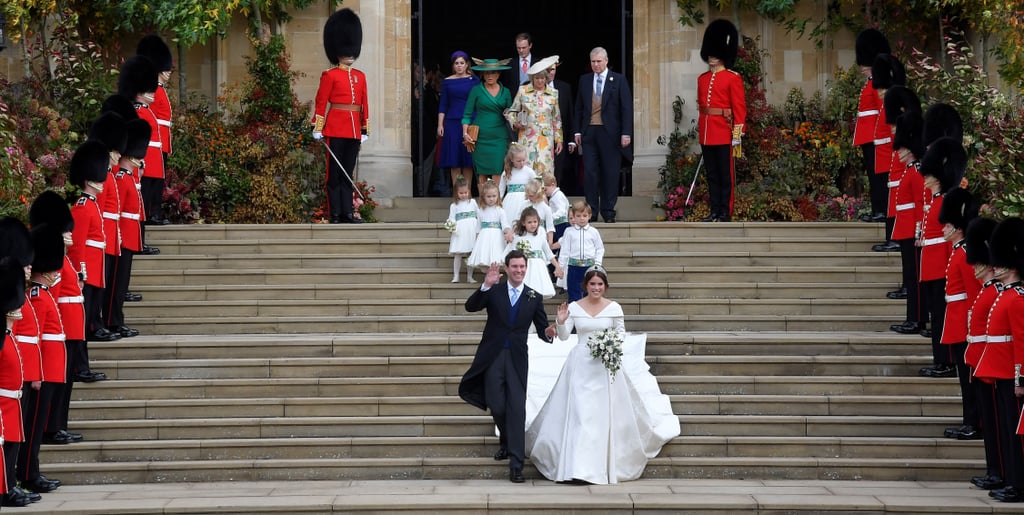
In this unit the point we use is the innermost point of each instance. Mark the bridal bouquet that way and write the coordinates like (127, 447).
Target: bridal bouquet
(524, 246)
(449, 225)
(606, 345)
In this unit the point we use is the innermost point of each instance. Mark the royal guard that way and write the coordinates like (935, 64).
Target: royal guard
(48, 244)
(1005, 341)
(126, 108)
(886, 73)
(977, 255)
(962, 288)
(942, 168)
(138, 83)
(870, 43)
(903, 111)
(342, 112)
(153, 47)
(722, 107)
(942, 121)
(109, 129)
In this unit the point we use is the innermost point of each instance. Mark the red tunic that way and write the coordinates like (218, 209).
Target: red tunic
(909, 205)
(341, 109)
(130, 223)
(161, 108)
(961, 290)
(11, 380)
(716, 90)
(51, 334)
(867, 115)
(997, 360)
(154, 154)
(109, 201)
(977, 322)
(26, 333)
(88, 240)
(70, 302)
(882, 141)
(896, 172)
(935, 249)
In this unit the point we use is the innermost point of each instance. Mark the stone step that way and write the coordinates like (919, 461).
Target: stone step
(860, 343)
(805, 405)
(328, 387)
(394, 277)
(456, 307)
(463, 468)
(441, 259)
(397, 366)
(301, 448)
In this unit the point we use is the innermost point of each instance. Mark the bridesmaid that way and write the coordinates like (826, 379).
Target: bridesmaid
(485, 108)
(454, 93)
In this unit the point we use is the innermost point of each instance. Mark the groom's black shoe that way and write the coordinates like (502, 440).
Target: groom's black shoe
(515, 475)
(502, 454)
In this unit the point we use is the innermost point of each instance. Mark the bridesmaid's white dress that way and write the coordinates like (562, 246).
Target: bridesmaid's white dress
(586, 426)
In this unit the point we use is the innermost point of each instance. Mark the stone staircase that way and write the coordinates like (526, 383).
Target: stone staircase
(334, 352)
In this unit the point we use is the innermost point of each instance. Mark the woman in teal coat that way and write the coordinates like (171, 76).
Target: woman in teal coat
(485, 108)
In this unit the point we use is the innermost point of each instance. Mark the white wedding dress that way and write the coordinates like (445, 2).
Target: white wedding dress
(586, 426)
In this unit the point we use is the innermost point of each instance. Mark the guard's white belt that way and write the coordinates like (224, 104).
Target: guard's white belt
(155, 144)
(71, 300)
(97, 244)
(10, 394)
(892, 184)
(957, 297)
(30, 340)
(976, 339)
(138, 186)
(50, 337)
(934, 241)
(131, 216)
(111, 216)
(882, 141)
(904, 207)
(869, 112)
(1000, 339)
(165, 123)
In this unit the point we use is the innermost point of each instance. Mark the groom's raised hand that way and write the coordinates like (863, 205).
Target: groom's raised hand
(493, 275)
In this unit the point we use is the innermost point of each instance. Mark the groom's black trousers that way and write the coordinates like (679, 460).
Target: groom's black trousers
(506, 397)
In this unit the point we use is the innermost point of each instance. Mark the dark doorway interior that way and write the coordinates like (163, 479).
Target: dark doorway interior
(569, 28)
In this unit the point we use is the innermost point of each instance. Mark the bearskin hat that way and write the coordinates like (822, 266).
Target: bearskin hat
(898, 100)
(89, 163)
(138, 75)
(942, 121)
(15, 242)
(721, 40)
(908, 133)
(138, 133)
(109, 130)
(946, 161)
(870, 43)
(51, 208)
(977, 235)
(48, 242)
(12, 285)
(343, 35)
(958, 208)
(120, 105)
(1006, 245)
(153, 47)
(887, 71)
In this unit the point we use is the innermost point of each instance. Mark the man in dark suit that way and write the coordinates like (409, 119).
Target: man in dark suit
(603, 132)
(497, 377)
(517, 76)
(563, 160)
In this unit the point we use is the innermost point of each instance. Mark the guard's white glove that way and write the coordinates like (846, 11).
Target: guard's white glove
(363, 138)
(318, 135)
(736, 142)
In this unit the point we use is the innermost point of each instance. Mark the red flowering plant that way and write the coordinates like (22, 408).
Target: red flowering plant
(676, 175)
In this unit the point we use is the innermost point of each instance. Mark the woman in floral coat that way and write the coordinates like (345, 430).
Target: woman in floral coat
(535, 116)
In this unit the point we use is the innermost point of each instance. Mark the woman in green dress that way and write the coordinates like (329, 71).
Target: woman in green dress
(485, 107)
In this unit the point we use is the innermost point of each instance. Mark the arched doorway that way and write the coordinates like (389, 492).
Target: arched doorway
(569, 28)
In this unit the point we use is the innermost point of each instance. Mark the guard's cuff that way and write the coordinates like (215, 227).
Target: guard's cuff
(318, 123)
(737, 131)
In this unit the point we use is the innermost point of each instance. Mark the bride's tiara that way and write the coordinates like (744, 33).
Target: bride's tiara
(596, 268)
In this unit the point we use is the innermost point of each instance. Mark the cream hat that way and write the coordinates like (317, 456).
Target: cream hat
(542, 65)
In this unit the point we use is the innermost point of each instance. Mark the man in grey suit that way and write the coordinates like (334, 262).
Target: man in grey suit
(604, 132)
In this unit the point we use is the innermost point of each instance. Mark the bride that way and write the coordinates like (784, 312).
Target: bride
(592, 427)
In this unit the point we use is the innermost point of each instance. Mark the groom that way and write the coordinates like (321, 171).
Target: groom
(497, 377)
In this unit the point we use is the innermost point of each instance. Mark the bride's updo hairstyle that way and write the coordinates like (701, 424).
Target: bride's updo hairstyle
(597, 270)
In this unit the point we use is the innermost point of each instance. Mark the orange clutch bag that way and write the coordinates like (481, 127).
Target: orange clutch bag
(473, 131)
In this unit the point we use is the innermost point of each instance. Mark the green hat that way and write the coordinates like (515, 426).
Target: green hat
(490, 65)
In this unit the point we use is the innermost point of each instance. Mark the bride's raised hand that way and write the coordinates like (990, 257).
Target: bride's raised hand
(563, 313)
